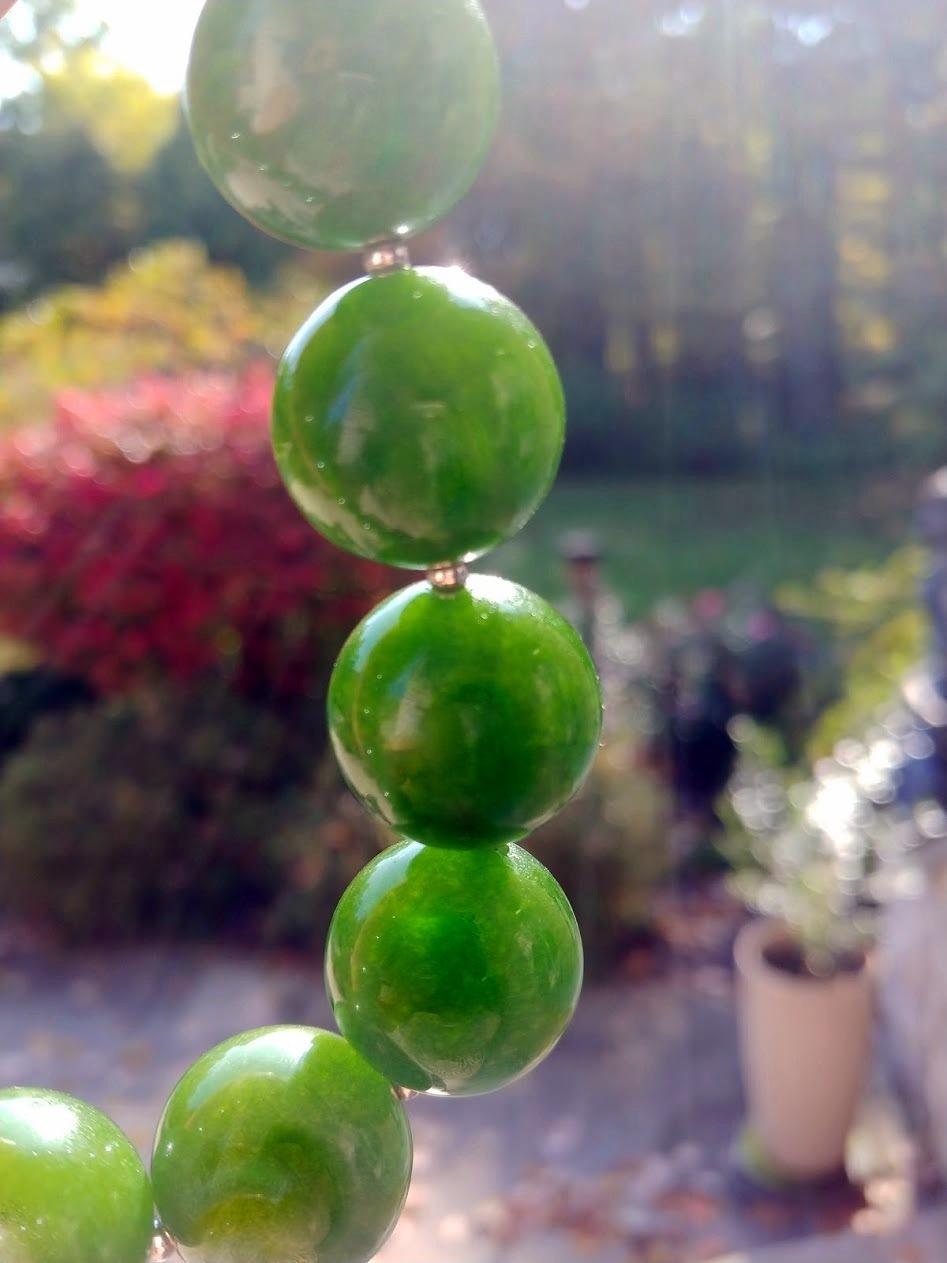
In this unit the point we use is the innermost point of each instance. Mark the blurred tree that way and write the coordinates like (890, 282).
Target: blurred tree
(168, 310)
(65, 213)
(35, 37)
(126, 120)
(93, 162)
(41, 29)
(727, 215)
(180, 201)
(59, 210)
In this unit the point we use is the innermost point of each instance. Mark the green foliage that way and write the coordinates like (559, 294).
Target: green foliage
(167, 310)
(677, 536)
(874, 618)
(874, 670)
(178, 200)
(195, 815)
(174, 815)
(323, 846)
(59, 217)
(609, 848)
(115, 166)
(803, 850)
(804, 841)
(126, 120)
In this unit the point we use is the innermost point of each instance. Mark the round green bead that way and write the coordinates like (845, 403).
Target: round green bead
(418, 418)
(454, 971)
(465, 718)
(72, 1187)
(279, 1144)
(335, 123)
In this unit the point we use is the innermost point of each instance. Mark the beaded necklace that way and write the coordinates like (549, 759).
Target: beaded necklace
(418, 421)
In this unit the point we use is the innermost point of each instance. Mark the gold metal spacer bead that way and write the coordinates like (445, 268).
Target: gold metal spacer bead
(449, 577)
(386, 256)
(162, 1247)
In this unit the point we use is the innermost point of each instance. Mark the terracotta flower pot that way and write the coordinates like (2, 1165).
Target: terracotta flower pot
(806, 1044)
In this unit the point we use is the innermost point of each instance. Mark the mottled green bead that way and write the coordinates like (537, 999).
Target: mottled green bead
(281, 1144)
(464, 718)
(333, 123)
(418, 418)
(72, 1187)
(454, 971)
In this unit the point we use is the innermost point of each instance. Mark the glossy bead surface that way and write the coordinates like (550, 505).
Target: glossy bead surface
(332, 124)
(454, 971)
(464, 718)
(72, 1187)
(418, 418)
(281, 1144)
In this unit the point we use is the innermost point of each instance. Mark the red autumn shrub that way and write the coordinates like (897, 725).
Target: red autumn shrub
(145, 535)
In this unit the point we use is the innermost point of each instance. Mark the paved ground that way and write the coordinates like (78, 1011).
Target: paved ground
(925, 1241)
(616, 1150)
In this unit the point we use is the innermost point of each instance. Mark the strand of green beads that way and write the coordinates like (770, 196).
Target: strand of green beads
(419, 421)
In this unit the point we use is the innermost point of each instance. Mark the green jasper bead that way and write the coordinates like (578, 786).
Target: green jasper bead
(418, 418)
(72, 1187)
(281, 1144)
(454, 971)
(464, 718)
(336, 123)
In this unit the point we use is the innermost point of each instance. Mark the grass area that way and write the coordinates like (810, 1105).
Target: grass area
(670, 538)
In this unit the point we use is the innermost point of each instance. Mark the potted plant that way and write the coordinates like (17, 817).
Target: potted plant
(805, 986)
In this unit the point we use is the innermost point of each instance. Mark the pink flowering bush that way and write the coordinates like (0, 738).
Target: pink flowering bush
(145, 537)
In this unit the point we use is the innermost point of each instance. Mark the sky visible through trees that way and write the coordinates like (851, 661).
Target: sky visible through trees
(729, 213)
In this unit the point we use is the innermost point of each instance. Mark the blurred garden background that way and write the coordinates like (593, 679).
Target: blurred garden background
(729, 218)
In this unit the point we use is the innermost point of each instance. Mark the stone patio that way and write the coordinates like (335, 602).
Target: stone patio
(617, 1149)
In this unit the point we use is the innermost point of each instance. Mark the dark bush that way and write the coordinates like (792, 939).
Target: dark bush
(26, 696)
(609, 849)
(187, 815)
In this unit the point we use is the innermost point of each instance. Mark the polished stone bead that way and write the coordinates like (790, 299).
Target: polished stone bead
(464, 718)
(454, 971)
(334, 123)
(418, 418)
(72, 1187)
(281, 1144)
